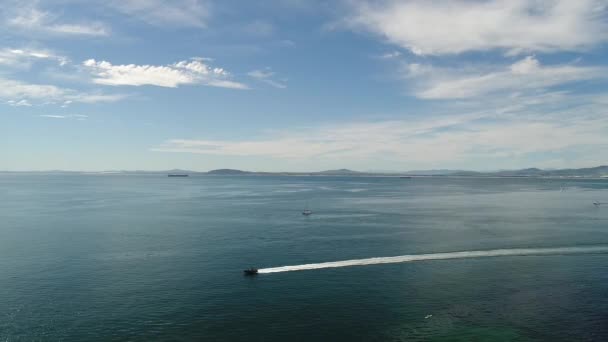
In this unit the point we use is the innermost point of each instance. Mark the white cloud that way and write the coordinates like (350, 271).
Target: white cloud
(20, 103)
(194, 71)
(83, 97)
(159, 12)
(16, 92)
(524, 75)
(31, 19)
(390, 55)
(451, 27)
(265, 76)
(79, 117)
(53, 116)
(397, 142)
(525, 66)
(490, 138)
(23, 57)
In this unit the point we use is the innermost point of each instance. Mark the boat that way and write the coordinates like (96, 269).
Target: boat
(405, 177)
(250, 271)
(306, 211)
(597, 203)
(177, 175)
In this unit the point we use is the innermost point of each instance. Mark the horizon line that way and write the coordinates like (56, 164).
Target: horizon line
(345, 170)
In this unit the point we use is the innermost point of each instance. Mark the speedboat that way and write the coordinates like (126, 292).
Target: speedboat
(306, 212)
(251, 271)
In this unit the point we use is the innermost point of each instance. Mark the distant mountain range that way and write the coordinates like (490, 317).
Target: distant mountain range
(591, 172)
(599, 171)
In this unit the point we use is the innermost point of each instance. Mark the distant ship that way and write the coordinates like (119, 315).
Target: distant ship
(405, 177)
(597, 203)
(306, 212)
(177, 175)
(250, 271)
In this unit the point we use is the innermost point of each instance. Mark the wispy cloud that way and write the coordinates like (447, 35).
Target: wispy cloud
(509, 138)
(21, 92)
(193, 13)
(526, 74)
(266, 77)
(260, 28)
(451, 27)
(389, 55)
(79, 117)
(30, 19)
(23, 57)
(91, 97)
(20, 103)
(193, 71)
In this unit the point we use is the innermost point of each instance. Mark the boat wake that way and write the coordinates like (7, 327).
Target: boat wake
(441, 256)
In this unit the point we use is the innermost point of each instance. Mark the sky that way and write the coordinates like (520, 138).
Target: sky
(303, 85)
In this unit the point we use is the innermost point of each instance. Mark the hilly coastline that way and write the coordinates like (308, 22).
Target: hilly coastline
(591, 172)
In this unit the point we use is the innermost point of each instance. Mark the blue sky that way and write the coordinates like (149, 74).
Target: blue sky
(292, 85)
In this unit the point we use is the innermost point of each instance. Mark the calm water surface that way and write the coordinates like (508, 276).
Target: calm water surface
(114, 257)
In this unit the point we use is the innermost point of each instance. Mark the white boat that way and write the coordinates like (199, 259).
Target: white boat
(306, 211)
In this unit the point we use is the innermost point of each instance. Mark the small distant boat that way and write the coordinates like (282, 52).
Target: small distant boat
(250, 271)
(306, 211)
(177, 175)
(405, 177)
(597, 203)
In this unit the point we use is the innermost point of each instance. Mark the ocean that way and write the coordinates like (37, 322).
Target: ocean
(152, 258)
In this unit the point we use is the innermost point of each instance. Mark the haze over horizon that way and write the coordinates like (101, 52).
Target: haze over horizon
(299, 85)
(597, 171)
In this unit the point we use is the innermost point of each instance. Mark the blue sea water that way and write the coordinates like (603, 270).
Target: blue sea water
(146, 257)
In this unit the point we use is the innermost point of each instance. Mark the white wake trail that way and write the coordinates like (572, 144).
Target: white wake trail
(441, 256)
